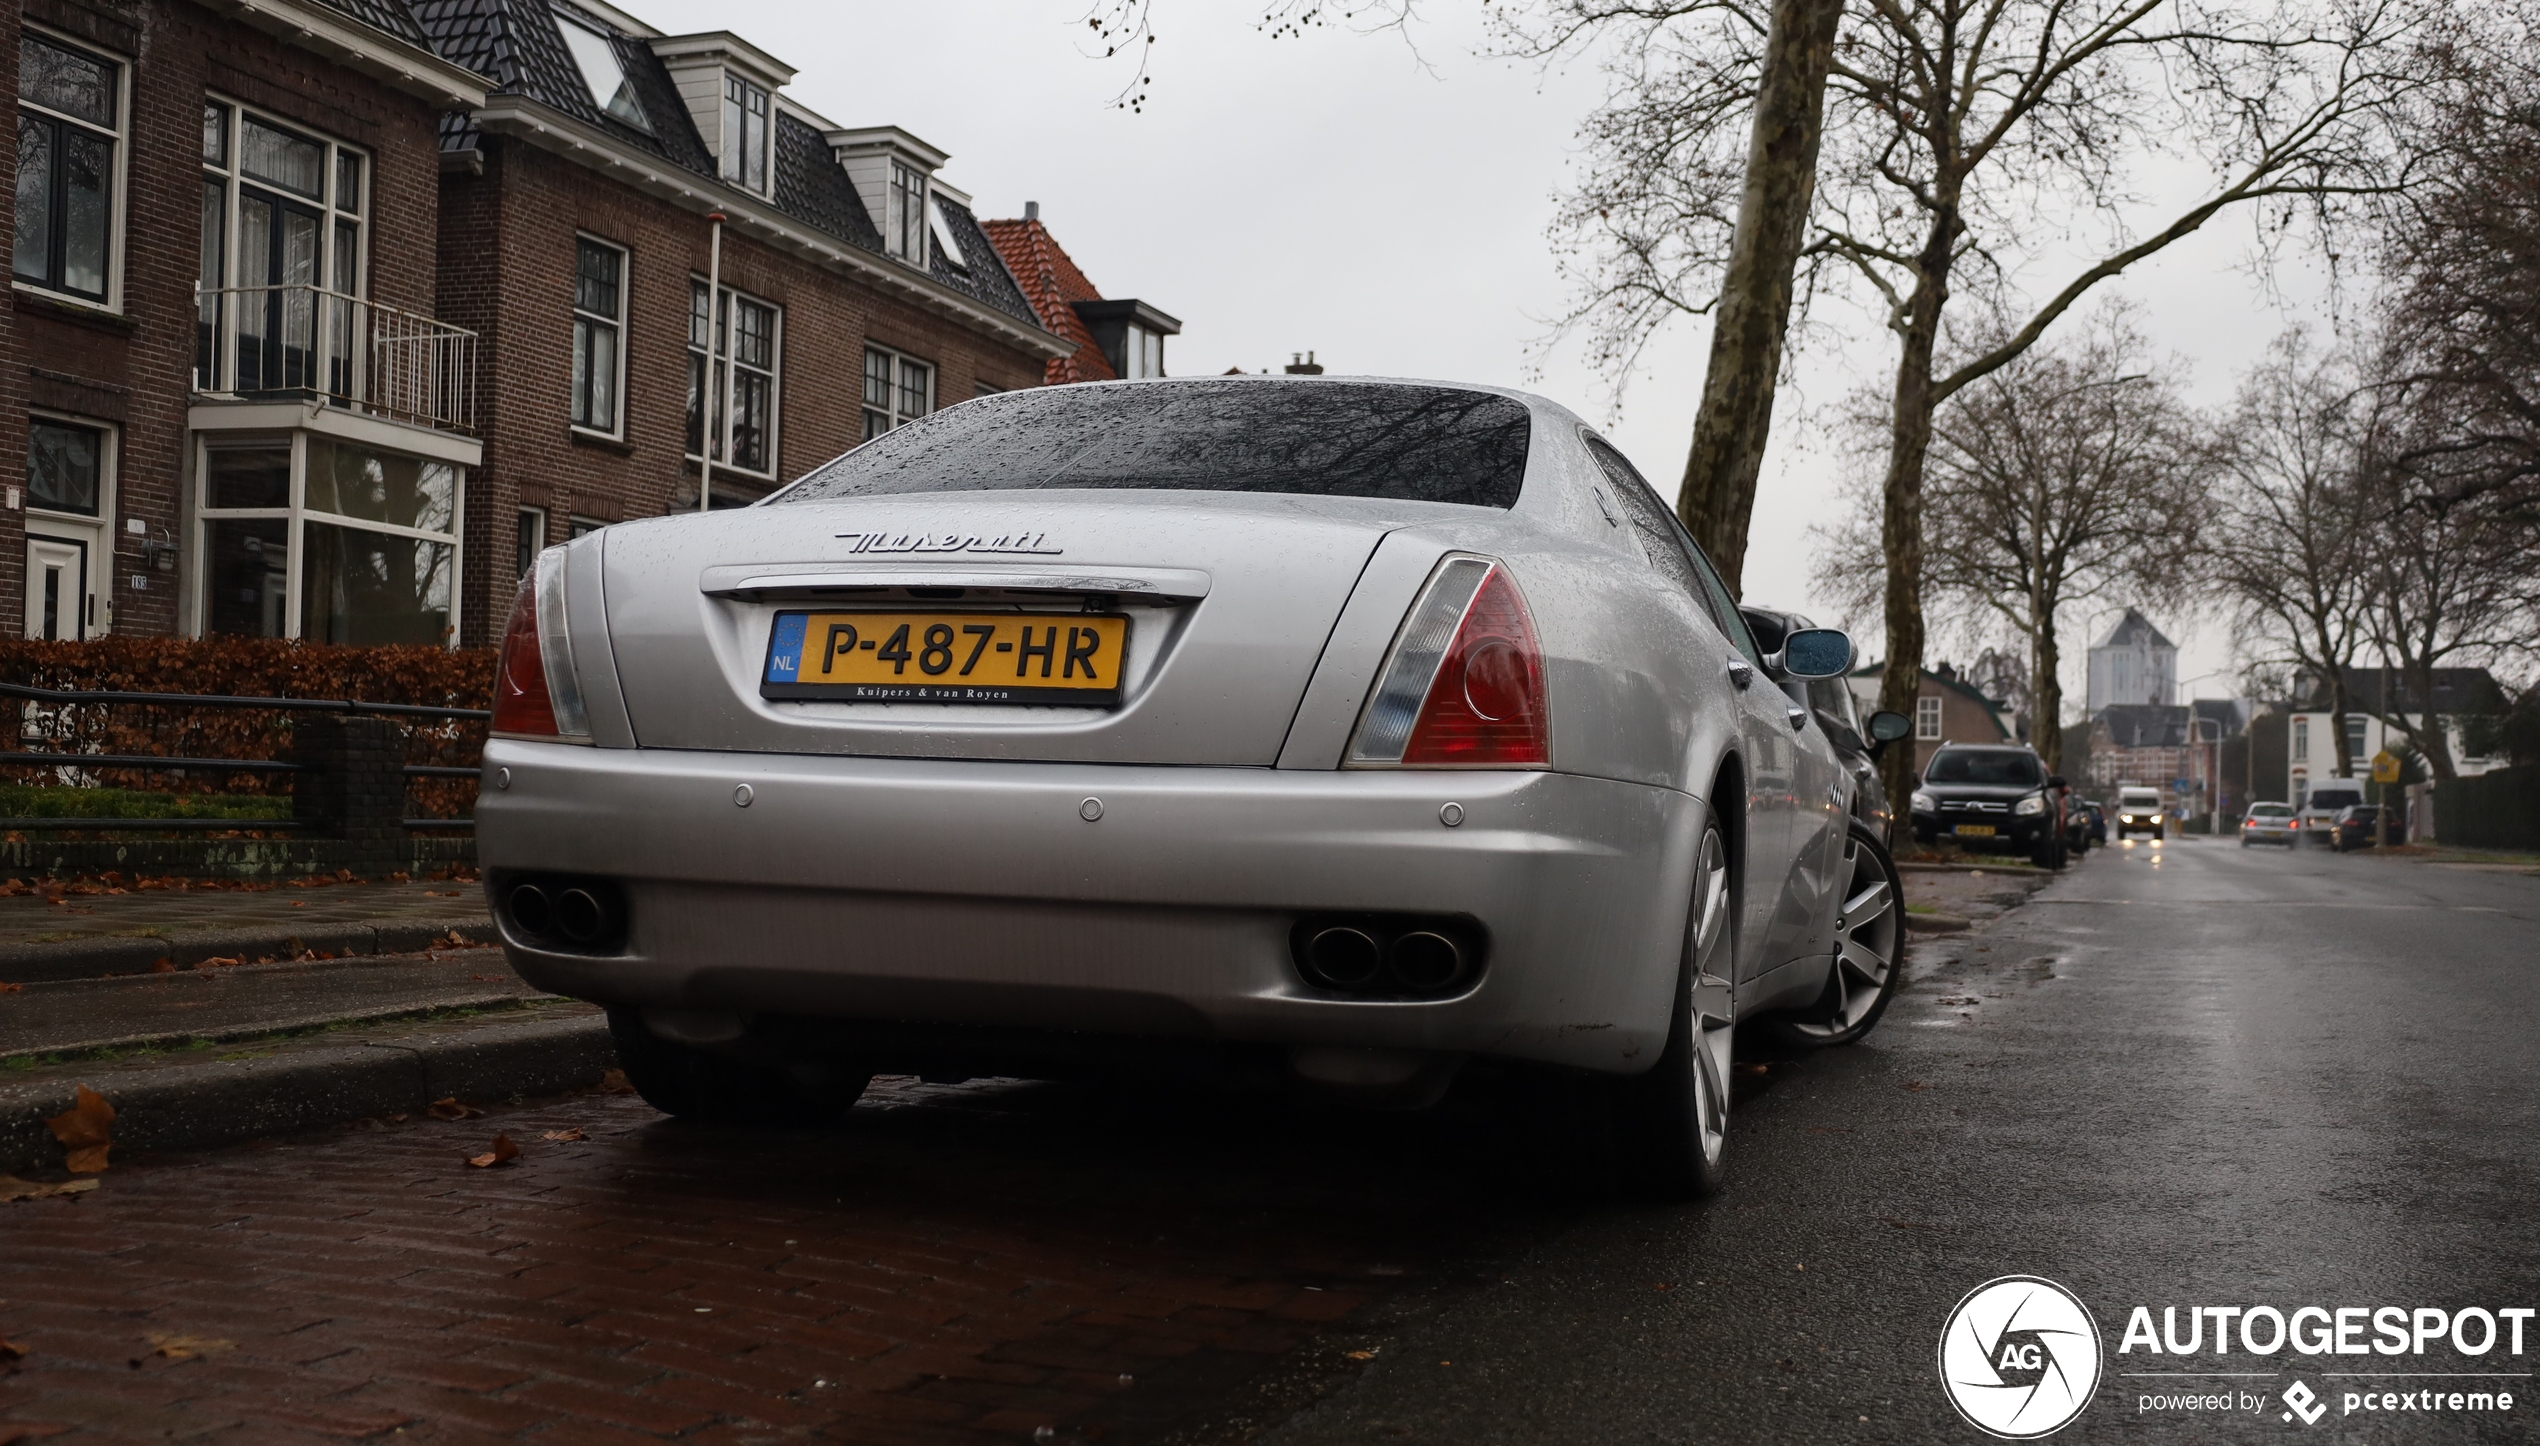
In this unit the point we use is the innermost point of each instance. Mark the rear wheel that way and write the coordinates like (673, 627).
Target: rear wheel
(1869, 951)
(1676, 1117)
(683, 1080)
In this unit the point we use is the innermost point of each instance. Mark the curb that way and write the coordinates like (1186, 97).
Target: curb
(106, 954)
(1937, 924)
(196, 1105)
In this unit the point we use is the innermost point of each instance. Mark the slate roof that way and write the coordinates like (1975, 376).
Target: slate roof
(515, 44)
(2143, 725)
(2132, 629)
(1051, 279)
(386, 16)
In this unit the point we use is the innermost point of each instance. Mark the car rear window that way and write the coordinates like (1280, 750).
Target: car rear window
(1315, 439)
(1985, 765)
(2271, 810)
(2335, 798)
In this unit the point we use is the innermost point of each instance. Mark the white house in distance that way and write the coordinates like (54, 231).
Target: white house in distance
(2132, 664)
(2310, 746)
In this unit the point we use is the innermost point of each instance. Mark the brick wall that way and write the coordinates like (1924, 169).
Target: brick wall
(507, 257)
(135, 370)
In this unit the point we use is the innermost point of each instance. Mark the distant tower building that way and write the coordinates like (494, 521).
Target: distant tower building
(2132, 664)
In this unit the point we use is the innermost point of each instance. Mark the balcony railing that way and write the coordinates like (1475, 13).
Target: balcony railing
(307, 342)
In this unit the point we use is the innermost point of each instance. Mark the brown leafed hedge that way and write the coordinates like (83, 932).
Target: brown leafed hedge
(239, 667)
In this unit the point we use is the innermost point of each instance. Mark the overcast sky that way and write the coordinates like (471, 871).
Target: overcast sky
(1386, 211)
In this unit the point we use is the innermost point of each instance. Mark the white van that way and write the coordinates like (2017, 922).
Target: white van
(2326, 798)
(2138, 810)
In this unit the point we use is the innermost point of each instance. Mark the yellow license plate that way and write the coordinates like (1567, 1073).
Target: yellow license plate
(1975, 830)
(897, 657)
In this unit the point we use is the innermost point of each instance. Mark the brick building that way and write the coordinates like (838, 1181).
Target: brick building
(218, 212)
(337, 310)
(1947, 709)
(1115, 339)
(578, 239)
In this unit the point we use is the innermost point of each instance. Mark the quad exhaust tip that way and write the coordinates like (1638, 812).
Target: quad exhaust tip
(1391, 956)
(565, 915)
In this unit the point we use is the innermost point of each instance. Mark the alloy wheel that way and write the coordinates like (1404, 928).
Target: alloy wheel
(1711, 1001)
(1868, 932)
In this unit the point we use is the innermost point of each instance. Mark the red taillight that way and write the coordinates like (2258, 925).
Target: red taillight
(522, 703)
(1486, 705)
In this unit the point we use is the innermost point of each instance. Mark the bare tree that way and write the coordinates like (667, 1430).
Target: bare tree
(2068, 474)
(1965, 142)
(2286, 544)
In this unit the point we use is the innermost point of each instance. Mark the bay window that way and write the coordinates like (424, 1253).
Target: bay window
(309, 536)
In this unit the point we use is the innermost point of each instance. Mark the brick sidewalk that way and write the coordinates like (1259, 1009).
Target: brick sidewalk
(87, 910)
(960, 1264)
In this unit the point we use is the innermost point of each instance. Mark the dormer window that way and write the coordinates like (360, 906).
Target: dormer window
(906, 236)
(745, 133)
(945, 245)
(595, 55)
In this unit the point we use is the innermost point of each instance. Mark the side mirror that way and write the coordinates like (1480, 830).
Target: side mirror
(1817, 653)
(1887, 727)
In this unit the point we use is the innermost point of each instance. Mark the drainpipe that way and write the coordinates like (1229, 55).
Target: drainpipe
(714, 317)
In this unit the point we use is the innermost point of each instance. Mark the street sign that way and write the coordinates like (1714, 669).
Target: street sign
(2385, 767)
(2179, 785)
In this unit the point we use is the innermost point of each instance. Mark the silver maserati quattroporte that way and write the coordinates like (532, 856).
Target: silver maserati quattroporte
(1334, 730)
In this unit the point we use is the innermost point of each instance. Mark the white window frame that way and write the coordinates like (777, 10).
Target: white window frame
(893, 410)
(230, 173)
(97, 531)
(1927, 725)
(905, 216)
(116, 203)
(578, 525)
(735, 162)
(297, 514)
(721, 330)
(525, 527)
(617, 323)
(2301, 749)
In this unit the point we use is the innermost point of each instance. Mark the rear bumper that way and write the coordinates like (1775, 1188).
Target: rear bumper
(974, 894)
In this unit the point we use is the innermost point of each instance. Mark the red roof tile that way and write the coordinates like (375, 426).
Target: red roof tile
(1050, 280)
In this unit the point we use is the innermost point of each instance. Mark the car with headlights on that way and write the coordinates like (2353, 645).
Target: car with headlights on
(1324, 731)
(2139, 811)
(1991, 797)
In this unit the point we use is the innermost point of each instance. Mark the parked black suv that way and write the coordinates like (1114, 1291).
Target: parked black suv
(1993, 797)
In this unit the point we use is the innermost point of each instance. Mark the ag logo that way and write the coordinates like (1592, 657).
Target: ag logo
(2020, 1357)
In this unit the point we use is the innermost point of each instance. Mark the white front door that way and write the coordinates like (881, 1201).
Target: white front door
(58, 602)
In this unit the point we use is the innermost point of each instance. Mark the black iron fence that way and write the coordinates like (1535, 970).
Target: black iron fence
(330, 754)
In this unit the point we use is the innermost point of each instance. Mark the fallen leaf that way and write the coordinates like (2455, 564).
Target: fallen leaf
(562, 1137)
(504, 1151)
(11, 1351)
(1360, 1355)
(1914, 1084)
(1754, 1069)
(186, 1348)
(451, 1109)
(12, 989)
(13, 1189)
(164, 966)
(614, 1082)
(82, 1129)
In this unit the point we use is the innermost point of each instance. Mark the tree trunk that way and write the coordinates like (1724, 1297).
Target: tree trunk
(1736, 417)
(1901, 527)
(2046, 694)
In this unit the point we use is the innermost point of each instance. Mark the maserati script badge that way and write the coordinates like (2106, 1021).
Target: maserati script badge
(1024, 543)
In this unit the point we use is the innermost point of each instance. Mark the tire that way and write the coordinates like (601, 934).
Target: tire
(1674, 1120)
(1869, 953)
(691, 1084)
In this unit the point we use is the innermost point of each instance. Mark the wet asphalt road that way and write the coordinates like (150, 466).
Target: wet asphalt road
(2184, 1075)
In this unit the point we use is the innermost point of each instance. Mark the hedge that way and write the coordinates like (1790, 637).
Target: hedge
(239, 667)
(2499, 810)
